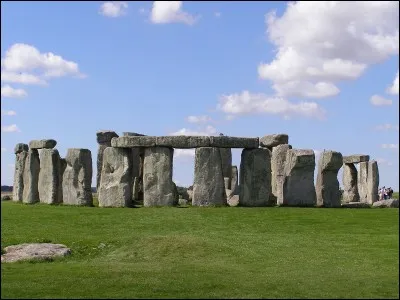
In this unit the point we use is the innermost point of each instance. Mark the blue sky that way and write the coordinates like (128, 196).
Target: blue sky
(323, 73)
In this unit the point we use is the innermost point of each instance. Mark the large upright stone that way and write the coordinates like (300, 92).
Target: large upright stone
(50, 191)
(31, 177)
(278, 160)
(42, 144)
(350, 189)
(226, 159)
(255, 177)
(362, 181)
(21, 153)
(158, 186)
(298, 185)
(136, 154)
(104, 140)
(208, 186)
(77, 178)
(234, 180)
(273, 140)
(372, 182)
(327, 188)
(116, 178)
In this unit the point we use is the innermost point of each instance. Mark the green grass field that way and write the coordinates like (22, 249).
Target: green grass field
(192, 252)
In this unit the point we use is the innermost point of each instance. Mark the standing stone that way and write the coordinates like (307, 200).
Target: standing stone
(136, 157)
(49, 177)
(158, 186)
(77, 178)
(31, 177)
(226, 159)
(278, 160)
(327, 188)
(372, 182)
(255, 177)
(298, 185)
(63, 165)
(362, 184)
(234, 181)
(350, 190)
(208, 186)
(116, 178)
(21, 152)
(135, 189)
(104, 140)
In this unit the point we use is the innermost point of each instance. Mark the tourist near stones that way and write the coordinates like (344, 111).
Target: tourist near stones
(136, 167)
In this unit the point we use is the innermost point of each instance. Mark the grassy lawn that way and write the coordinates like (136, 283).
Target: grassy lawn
(204, 252)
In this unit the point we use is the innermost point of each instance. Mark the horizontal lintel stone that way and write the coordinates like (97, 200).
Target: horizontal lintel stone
(42, 144)
(355, 158)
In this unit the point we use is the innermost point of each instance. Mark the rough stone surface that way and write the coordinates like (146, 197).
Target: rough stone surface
(234, 181)
(134, 141)
(234, 142)
(116, 178)
(327, 187)
(356, 205)
(176, 193)
(389, 203)
(135, 191)
(42, 144)
(298, 185)
(278, 159)
(233, 200)
(355, 158)
(273, 140)
(39, 251)
(350, 189)
(158, 187)
(21, 147)
(362, 184)
(31, 177)
(183, 141)
(77, 178)
(135, 157)
(226, 159)
(104, 141)
(183, 202)
(227, 183)
(208, 187)
(18, 185)
(372, 182)
(132, 134)
(255, 177)
(190, 194)
(50, 191)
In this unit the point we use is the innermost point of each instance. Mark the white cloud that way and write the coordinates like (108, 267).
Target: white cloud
(394, 88)
(198, 119)
(321, 43)
(390, 146)
(21, 60)
(10, 128)
(180, 153)
(9, 92)
(387, 127)
(8, 112)
(170, 12)
(209, 130)
(113, 9)
(380, 101)
(384, 161)
(248, 103)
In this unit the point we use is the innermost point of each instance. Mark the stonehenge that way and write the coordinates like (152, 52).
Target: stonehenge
(136, 167)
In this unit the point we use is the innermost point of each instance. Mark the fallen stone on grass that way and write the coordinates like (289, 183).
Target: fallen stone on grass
(356, 205)
(390, 203)
(36, 251)
(233, 200)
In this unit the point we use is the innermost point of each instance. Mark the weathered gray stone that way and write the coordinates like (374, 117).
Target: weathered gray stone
(135, 191)
(104, 140)
(327, 188)
(298, 185)
(233, 200)
(183, 141)
(132, 134)
(362, 177)
(226, 159)
(20, 147)
(227, 182)
(176, 193)
(356, 205)
(134, 141)
(183, 202)
(116, 178)
(273, 140)
(63, 166)
(234, 180)
(77, 178)
(159, 189)
(18, 186)
(255, 177)
(42, 144)
(208, 187)
(190, 193)
(372, 182)
(50, 191)
(135, 157)
(36, 251)
(233, 142)
(105, 136)
(350, 189)
(31, 177)
(355, 158)
(278, 159)
(389, 203)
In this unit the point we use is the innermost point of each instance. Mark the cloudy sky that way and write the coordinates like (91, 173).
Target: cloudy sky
(326, 73)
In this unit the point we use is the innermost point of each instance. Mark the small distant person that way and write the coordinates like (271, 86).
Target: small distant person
(390, 193)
